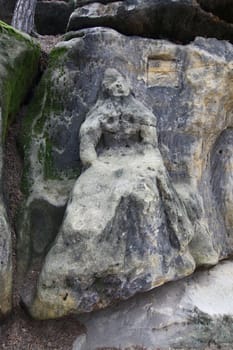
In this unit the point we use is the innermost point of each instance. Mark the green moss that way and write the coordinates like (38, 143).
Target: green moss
(40, 122)
(7, 29)
(16, 87)
(48, 161)
(19, 65)
(50, 172)
(19, 61)
(57, 54)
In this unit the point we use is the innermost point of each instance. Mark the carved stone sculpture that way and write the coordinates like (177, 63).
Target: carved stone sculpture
(124, 204)
(144, 211)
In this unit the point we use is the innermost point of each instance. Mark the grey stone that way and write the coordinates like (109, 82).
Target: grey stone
(179, 20)
(194, 313)
(187, 91)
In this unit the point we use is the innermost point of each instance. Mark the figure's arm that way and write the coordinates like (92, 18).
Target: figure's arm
(148, 129)
(90, 133)
(146, 123)
(148, 134)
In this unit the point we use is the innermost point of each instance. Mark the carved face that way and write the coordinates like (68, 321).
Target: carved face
(115, 84)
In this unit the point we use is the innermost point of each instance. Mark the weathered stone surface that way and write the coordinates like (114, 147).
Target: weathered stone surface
(180, 20)
(18, 66)
(195, 313)
(177, 20)
(188, 90)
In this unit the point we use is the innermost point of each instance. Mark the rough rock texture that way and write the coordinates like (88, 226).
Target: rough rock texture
(180, 20)
(188, 91)
(195, 313)
(177, 20)
(18, 66)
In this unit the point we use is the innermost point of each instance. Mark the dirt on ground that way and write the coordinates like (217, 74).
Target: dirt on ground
(20, 332)
(47, 42)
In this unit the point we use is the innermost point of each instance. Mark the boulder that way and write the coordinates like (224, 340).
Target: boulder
(19, 57)
(151, 203)
(179, 21)
(195, 313)
(51, 17)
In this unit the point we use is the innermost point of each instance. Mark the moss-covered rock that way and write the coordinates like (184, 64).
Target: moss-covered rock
(19, 57)
(51, 158)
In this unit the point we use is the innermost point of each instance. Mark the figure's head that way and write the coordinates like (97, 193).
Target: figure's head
(114, 84)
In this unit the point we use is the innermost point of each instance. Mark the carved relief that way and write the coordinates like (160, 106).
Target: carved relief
(124, 203)
(162, 72)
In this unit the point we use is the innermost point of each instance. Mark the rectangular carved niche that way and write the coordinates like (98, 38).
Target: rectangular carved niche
(162, 72)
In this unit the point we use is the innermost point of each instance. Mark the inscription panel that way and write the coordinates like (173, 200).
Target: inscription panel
(162, 72)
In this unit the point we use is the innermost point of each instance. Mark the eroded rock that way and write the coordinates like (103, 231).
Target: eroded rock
(187, 91)
(180, 20)
(19, 58)
(195, 313)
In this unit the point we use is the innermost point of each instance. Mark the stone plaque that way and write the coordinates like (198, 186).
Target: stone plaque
(162, 72)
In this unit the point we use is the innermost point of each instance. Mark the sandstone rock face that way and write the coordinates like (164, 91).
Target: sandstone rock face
(16, 53)
(195, 313)
(180, 20)
(154, 144)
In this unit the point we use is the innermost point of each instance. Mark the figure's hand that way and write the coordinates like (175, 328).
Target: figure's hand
(149, 135)
(90, 133)
(88, 155)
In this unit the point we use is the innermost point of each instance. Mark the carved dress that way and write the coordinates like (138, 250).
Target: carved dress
(125, 230)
